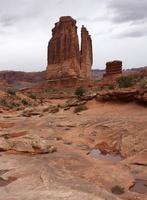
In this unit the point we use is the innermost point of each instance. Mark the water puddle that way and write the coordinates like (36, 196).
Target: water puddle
(140, 186)
(96, 153)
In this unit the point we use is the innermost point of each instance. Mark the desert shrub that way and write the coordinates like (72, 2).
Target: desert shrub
(80, 108)
(24, 102)
(125, 81)
(143, 83)
(98, 89)
(15, 105)
(108, 87)
(11, 92)
(117, 190)
(3, 102)
(80, 91)
(32, 96)
(10, 105)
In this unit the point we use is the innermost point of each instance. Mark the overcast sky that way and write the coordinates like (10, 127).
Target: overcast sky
(118, 29)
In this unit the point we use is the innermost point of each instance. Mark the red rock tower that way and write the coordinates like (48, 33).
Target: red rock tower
(65, 60)
(113, 68)
(86, 53)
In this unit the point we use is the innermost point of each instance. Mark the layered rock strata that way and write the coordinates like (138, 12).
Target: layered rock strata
(65, 59)
(113, 68)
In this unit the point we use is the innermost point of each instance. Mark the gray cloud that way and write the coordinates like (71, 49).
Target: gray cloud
(9, 20)
(25, 29)
(133, 34)
(132, 11)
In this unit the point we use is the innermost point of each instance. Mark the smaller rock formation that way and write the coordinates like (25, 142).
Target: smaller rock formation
(27, 144)
(113, 68)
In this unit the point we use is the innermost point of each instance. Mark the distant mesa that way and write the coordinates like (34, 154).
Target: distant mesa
(113, 68)
(66, 58)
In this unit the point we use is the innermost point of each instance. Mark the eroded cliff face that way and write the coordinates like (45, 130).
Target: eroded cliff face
(65, 60)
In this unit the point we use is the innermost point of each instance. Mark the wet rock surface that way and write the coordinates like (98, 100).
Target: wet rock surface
(96, 153)
(139, 186)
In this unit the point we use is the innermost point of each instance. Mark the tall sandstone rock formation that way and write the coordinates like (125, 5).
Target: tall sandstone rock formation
(65, 59)
(86, 53)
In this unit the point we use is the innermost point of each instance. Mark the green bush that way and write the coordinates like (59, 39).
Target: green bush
(108, 87)
(32, 96)
(80, 91)
(143, 83)
(24, 102)
(11, 92)
(80, 108)
(125, 81)
(3, 102)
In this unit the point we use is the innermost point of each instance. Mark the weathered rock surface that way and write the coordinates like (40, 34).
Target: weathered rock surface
(27, 144)
(113, 68)
(65, 60)
(124, 95)
(73, 102)
(72, 173)
(86, 53)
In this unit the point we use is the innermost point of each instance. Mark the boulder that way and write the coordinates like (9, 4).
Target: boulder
(28, 144)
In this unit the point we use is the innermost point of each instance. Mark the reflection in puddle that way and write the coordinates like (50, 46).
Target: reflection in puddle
(140, 186)
(96, 153)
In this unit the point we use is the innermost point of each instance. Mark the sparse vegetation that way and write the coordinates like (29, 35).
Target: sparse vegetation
(10, 105)
(24, 102)
(3, 102)
(143, 83)
(11, 92)
(32, 96)
(80, 108)
(80, 91)
(108, 87)
(117, 190)
(125, 81)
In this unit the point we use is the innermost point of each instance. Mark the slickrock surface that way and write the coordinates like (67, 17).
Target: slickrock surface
(72, 172)
(65, 60)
